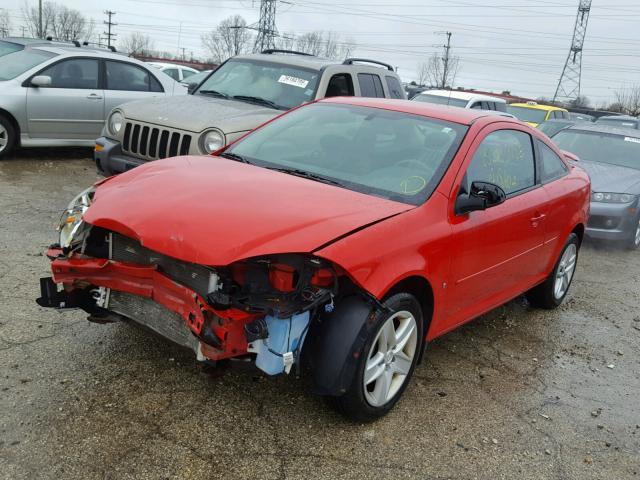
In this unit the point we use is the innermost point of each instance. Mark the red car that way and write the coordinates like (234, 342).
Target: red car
(340, 237)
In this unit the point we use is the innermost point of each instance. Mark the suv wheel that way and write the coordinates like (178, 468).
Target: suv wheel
(391, 354)
(7, 137)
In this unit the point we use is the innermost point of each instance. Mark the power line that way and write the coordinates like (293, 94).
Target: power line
(109, 24)
(569, 83)
(267, 31)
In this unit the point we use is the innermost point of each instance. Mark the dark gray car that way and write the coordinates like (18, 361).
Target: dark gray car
(611, 156)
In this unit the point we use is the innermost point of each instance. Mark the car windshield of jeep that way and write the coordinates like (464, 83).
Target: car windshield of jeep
(273, 85)
(390, 154)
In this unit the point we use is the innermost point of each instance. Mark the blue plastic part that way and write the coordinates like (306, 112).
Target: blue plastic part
(285, 335)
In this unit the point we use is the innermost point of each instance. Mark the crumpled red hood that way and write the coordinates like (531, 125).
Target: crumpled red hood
(214, 211)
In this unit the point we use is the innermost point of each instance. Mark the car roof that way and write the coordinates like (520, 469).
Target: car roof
(618, 117)
(297, 60)
(462, 95)
(70, 49)
(565, 121)
(537, 106)
(464, 116)
(604, 128)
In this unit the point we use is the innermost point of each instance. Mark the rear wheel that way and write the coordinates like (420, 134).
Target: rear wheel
(552, 292)
(390, 356)
(7, 137)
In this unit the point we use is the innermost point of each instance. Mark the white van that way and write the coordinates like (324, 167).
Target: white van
(456, 98)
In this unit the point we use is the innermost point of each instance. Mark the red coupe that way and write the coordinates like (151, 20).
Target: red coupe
(338, 239)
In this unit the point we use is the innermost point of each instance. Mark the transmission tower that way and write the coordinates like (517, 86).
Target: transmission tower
(267, 31)
(569, 84)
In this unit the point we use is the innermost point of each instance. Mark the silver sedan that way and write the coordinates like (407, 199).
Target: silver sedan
(55, 94)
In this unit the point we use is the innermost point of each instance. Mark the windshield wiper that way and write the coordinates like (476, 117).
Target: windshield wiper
(214, 92)
(259, 100)
(235, 156)
(304, 174)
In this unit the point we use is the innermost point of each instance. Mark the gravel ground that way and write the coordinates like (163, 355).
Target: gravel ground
(518, 393)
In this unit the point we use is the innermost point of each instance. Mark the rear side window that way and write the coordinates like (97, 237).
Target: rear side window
(395, 89)
(552, 166)
(370, 85)
(81, 73)
(186, 73)
(124, 76)
(173, 73)
(504, 157)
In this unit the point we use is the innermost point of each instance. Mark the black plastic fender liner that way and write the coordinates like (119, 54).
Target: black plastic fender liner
(337, 342)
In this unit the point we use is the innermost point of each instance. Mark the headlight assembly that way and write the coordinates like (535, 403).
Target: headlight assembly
(115, 122)
(211, 141)
(71, 219)
(605, 197)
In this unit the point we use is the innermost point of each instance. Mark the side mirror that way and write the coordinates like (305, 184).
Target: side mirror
(483, 195)
(41, 81)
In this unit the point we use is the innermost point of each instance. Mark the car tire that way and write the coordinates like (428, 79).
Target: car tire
(633, 243)
(551, 293)
(7, 137)
(365, 402)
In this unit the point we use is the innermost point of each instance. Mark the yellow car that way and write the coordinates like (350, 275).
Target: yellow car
(534, 114)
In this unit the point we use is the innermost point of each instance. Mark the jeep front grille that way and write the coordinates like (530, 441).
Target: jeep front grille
(152, 143)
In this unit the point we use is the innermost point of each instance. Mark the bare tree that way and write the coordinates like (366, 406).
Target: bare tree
(629, 100)
(5, 23)
(136, 44)
(58, 21)
(423, 73)
(442, 73)
(230, 38)
(321, 44)
(580, 102)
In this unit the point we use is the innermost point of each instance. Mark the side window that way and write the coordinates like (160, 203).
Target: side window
(501, 107)
(552, 166)
(186, 73)
(74, 73)
(125, 76)
(504, 157)
(340, 85)
(173, 73)
(476, 105)
(395, 89)
(370, 85)
(565, 115)
(155, 85)
(553, 115)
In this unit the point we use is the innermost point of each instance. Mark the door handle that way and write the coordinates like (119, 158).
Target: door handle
(93, 96)
(537, 219)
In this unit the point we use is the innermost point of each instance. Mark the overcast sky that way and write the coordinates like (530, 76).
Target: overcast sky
(516, 45)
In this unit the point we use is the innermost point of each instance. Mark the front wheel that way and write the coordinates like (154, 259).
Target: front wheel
(387, 361)
(7, 137)
(634, 237)
(552, 292)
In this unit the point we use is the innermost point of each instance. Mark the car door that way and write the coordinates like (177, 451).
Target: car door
(125, 82)
(72, 106)
(495, 251)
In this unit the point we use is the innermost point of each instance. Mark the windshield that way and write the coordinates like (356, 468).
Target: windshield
(439, 100)
(18, 62)
(393, 155)
(551, 128)
(601, 147)
(9, 47)
(284, 86)
(619, 122)
(525, 114)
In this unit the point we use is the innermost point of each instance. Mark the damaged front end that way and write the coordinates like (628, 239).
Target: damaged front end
(262, 306)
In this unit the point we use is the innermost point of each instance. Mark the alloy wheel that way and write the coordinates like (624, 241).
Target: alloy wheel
(565, 272)
(390, 358)
(4, 138)
(637, 239)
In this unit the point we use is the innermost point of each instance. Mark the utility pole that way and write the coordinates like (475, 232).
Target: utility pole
(109, 24)
(446, 60)
(267, 31)
(569, 84)
(40, 32)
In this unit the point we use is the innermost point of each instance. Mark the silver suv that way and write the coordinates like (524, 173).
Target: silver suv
(241, 94)
(58, 94)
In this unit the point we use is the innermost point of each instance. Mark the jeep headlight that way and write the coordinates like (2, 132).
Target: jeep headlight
(71, 219)
(115, 122)
(211, 141)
